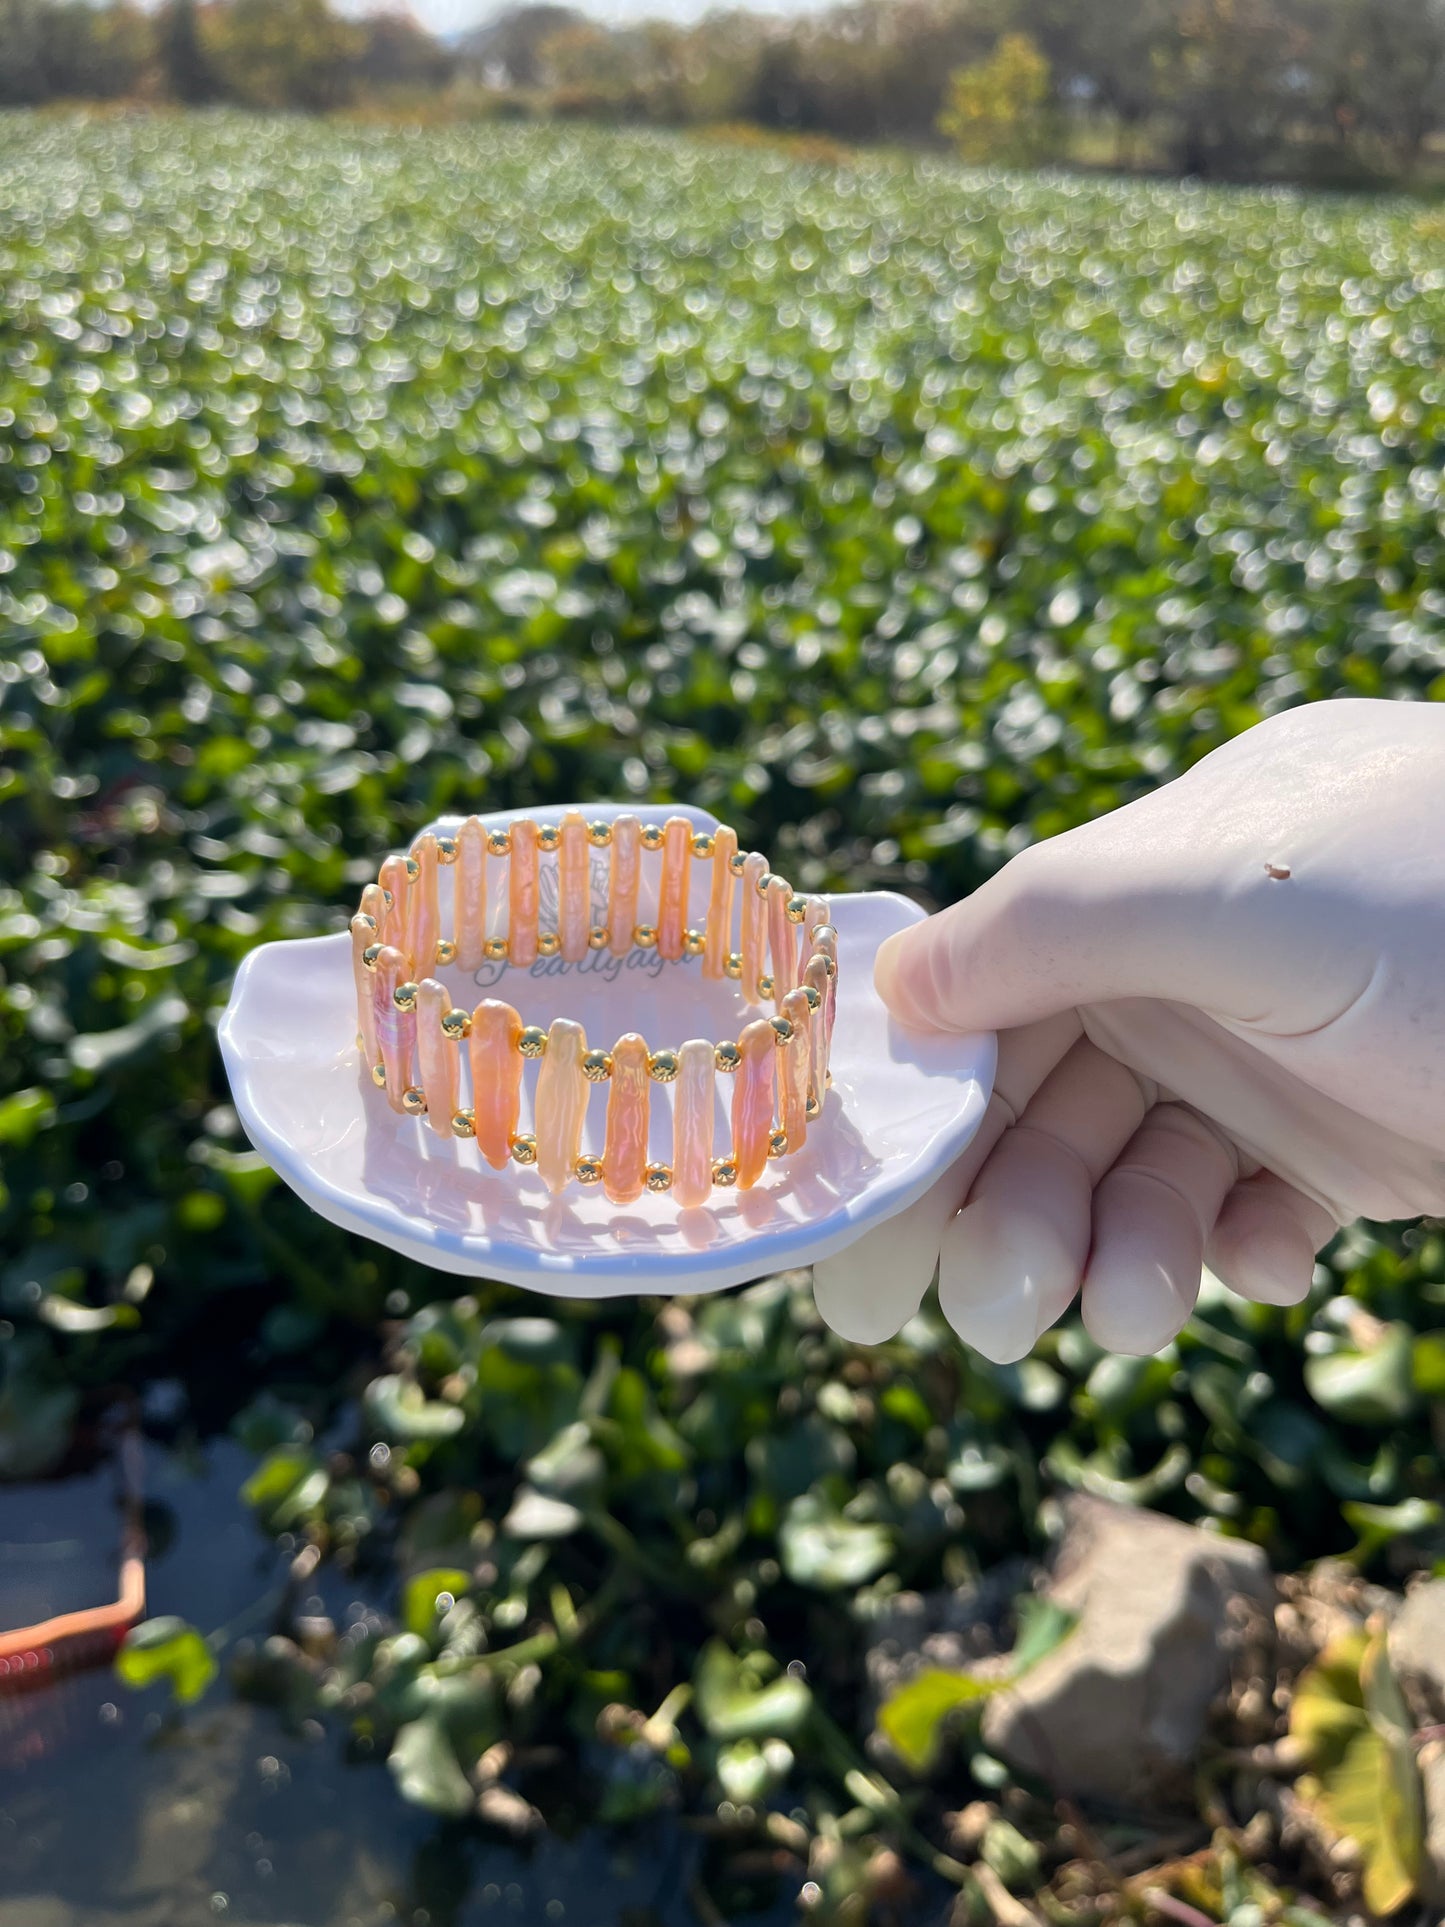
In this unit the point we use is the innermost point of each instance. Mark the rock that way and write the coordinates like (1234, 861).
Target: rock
(1117, 1712)
(1417, 1651)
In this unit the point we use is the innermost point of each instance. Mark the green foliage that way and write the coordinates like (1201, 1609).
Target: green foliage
(994, 109)
(167, 1649)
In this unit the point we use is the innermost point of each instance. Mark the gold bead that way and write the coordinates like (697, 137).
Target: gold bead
(599, 835)
(765, 986)
(658, 1177)
(797, 909)
(589, 1170)
(532, 1042)
(736, 862)
(370, 955)
(499, 842)
(548, 943)
(825, 933)
(724, 1171)
(778, 1145)
(446, 950)
(378, 1076)
(495, 949)
(548, 836)
(652, 836)
(812, 996)
(365, 919)
(598, 937)
(446, 849)
(694, 943)
(457, 1023)
(813, 1108)
(597, 1066)
(413, 869)
(390, 899)
(464, 1123)
(763, 881)
(524, 1148)
(662, 1066)
(404, 996)
(414, 1101)
(832, 966)
(644, 936)
(734, 964)
(782, 1029)
(702, 843)
(727, 1057)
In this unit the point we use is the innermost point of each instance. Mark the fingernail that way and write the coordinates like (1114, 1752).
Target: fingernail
(1141, 1285)
(1275, 1266)
(885, 966)
(1003, 1278)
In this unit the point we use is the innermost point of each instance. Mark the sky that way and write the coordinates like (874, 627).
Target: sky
(456, 16)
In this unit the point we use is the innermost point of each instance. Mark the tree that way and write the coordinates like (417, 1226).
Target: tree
(189, 78)
(996, 108)
(286, 53)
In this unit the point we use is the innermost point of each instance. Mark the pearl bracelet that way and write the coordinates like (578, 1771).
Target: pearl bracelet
(416, 1040)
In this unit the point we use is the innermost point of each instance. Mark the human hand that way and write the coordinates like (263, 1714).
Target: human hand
(1221, 1018)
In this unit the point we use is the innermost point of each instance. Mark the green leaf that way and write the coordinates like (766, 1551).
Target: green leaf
(287, 1486)
(913, 1715)
(424, 1765)
(169, 1649)
(734, 1702)
(422, 1593)
(402, 1413)
(1374, 1387)
(1042, 1625)
(822, 1548)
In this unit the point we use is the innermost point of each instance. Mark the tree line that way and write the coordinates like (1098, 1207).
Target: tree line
(1327, 90)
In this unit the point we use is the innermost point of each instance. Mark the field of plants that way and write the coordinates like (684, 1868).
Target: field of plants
(901, 516)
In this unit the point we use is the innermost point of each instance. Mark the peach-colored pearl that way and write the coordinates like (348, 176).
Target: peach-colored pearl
(816, 913)
(673, 891)
(754, 925)
(753, 1101)
(782, 943)
(622, 888)
(624, 1151)
(469, 904)
(424, 917)
(523, 894)
(393, 878)
(395, 1029)
(362, 937)
(561, 1106)
(574, 907)
(692, 1122)
(440, 1065)
(793, 1070)
(828, 947)
(496, 1078)
(719, 935)
(373, 905)
(815, 977)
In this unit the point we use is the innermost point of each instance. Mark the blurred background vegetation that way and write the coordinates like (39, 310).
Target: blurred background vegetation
(1339, 92)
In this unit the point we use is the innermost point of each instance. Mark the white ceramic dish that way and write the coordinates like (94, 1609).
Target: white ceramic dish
(901, 1108)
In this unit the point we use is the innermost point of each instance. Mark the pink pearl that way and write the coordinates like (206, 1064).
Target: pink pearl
(692, 1122)
(622, 890)
(624, 1151)
(719, 937)
(561, 1106)
(362, 937)
(424, 917)
(782, 944)
(673, 891)
(469, 905)
(496, 1078)
(753, 1101)
(815, 977)
(440, 1065)
(523, 894)
(393, 879)
(755, 866)
(395, 1029)
(574, 910)
(793, 1071)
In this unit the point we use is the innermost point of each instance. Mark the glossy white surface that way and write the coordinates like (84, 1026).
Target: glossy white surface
(902, 1107)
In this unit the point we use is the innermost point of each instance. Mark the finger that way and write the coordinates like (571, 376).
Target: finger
(1153, 1211)
(1264, 1241)
(1012, 1260)
(868, 1292)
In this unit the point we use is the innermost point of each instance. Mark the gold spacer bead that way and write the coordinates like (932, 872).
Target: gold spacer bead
(812, 996)
(524, 1148)
(598, 937)
(413, 869)
(499, 842)
(446, 849)
(782, 1029)
(378, 1076)
(599, 835)
(548, 836)
(364, 917)
(727, 1057)
(464, 1123)
(658, 1177)
(734, 964)
(831, 964)
(662, 1066)
(414, 1101)
(597, 1066)
(548, 943)
(778, 1145)
(457, 1023)
(532, 1041)
(644, 936)
(370, 955)
(702, 843)
(446, 950)
(797, 909)
(390, 899)
(825, 933)
(589, 1170)
(652, 836)
(724, 1171)
(763, 882)
(812, 1108)
(765, 986)
(694, 943)
(404, 996)
(736, 862)
(495, 949)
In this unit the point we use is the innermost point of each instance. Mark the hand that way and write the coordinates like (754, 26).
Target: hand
(1221, 1017)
